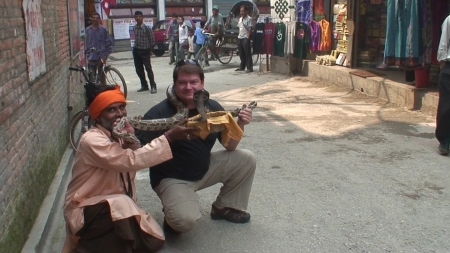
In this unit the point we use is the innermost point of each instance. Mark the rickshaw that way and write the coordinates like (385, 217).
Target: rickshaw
(230, 38)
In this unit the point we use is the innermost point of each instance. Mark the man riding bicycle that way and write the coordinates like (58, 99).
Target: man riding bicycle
(217, 25)
(97, 37)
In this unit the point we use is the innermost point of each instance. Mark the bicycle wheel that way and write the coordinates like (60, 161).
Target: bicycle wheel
(114, 77)
(202, 57)
(224, 54)
(77, 128)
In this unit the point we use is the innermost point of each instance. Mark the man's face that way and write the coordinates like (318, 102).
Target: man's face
(175, 19)
(180, 21)
(139, 19)
(111, 114)
(95, 20)
(242, 12)
(215, 12)
(186, 85)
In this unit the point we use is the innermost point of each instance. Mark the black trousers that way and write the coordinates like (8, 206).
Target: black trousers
(173, 50)
(141, 60)
(443, 111)
(100, 234)
(245, 53)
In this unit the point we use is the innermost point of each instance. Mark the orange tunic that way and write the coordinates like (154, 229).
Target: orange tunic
(95, 179)
(325, 43)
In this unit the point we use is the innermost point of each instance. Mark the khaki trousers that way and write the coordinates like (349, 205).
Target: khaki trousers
(234, 169)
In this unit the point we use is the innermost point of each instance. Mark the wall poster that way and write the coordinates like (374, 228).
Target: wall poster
(76, 26)
(35, 38)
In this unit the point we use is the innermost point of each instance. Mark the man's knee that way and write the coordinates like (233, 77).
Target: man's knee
(182, 218)
(248, 158)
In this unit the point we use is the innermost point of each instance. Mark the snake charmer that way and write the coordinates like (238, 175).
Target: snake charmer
(100, 204)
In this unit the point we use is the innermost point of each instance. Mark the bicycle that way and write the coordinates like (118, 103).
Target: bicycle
(224, 55)
(105, 75)
(81, 121)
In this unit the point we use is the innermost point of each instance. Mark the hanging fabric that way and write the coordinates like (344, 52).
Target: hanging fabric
(258, 37)
(301, 40)
(280, 37)
(290, 37)
(315, 36)
(403, 34)
(269, 36)
(319, 10)
(304, 11)
(325, 38)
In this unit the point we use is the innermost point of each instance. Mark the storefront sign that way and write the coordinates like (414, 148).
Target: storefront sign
(121, 27)
(35, 38)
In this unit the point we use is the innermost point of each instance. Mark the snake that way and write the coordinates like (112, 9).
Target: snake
(200, 98)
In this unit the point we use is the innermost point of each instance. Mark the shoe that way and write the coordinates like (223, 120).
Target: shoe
(142, 89)
(168, 229)
(229, 214)
(444, 149)
(238, 69)
(153, 91)
(249, 71)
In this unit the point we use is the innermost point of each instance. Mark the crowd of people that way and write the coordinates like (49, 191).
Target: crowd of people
(100, 207)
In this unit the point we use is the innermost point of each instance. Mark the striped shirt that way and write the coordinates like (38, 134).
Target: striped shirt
(144, 38)
(443, 53)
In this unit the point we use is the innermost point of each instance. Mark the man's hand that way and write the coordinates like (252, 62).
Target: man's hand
(245, 116)
(180, 132)
(127, 127)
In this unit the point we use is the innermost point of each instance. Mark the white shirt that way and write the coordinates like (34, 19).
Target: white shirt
(183, 33)
(443, 53)
(244, 25)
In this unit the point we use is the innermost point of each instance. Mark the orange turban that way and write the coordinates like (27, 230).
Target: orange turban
(105, 99)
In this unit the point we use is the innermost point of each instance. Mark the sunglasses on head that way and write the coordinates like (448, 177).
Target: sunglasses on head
(184, 62)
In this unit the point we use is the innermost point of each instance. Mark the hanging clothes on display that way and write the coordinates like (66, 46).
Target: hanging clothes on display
(403, 34)
(301, 40)
(427, 31)
(258, 37)
(290, 37)
(319, 10)
(269, 38)
(280, 37)
(325, 38)
(304, 11)
(315, 36)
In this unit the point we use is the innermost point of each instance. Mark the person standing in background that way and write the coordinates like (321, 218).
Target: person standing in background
(191, 51)
(183, 36)
(244, 44)
(443, 111)
(97, 37)
(143, 46)
(173, 45)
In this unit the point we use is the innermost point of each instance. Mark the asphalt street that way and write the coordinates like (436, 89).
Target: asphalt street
(337, 171)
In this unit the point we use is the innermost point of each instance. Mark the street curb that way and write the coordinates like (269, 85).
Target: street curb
(44, 221)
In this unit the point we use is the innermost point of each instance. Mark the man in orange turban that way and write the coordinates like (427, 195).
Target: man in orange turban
(100, 204)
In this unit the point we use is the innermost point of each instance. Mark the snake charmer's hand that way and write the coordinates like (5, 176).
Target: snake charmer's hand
(245, 116)
(181, 132)
(126, 129)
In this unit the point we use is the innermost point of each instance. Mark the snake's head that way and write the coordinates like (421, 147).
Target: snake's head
(201, 95)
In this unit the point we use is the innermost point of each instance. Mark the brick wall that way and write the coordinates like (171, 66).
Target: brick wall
(33, 116)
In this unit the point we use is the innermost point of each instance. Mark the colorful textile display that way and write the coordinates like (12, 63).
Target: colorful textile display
(403, 34)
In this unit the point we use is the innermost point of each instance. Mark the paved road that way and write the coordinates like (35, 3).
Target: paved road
(337, 171)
